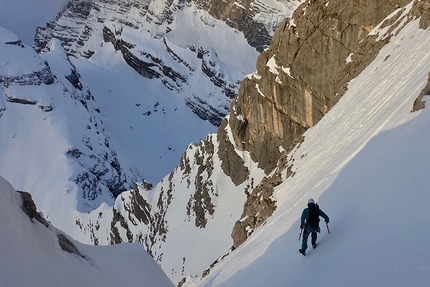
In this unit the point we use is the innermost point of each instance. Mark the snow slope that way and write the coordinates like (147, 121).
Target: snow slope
(31, 255)
(367, 164)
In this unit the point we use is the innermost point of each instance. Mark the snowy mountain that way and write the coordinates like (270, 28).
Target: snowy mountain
(186, 69)
(51, 125)
(366, 162)
(33, 252)
(328, 114)
(196, 206)
(138, 118)
(116, 93)
(182, 44)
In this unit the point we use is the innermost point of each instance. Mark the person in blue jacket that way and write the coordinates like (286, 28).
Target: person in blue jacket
(310, 224)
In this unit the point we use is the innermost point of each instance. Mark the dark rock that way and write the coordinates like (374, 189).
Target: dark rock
(20, 101)
(16, 43)
(200, 203)
(259, 206)
(29, 208)
(67, 245)
(231, 163)
(419, 104)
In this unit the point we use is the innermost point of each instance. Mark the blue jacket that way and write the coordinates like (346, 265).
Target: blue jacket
(305, 216)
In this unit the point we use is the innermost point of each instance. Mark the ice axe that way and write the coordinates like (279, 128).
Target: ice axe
(328, 229)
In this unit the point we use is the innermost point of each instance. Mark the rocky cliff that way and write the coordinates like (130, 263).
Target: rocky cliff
(297, 81)
(86, 25)
(299, 78)
(256, 19)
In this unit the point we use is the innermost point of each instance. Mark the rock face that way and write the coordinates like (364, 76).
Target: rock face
(258, 20)
(231, 163)
(67, 245)
(86, 25)
(255, 19)
(294, 85)
(299, 78)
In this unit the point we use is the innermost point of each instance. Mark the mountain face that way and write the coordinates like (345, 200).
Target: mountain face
(257, 20)
(185, 55)
(274, 107)
(185, 209)
(303, 60)
(365, 163)
(116, 92)
(222, 191)
(85, 25)
(298, 80)
(53, 96)
(303, 74)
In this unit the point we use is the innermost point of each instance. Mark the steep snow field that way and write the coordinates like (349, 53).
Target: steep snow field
(31, 256)
(367, 163)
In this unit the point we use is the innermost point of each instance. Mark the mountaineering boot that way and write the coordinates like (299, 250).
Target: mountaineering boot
(314, 245)
(303, 252)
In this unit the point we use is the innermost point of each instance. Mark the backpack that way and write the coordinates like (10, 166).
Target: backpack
(314, 216)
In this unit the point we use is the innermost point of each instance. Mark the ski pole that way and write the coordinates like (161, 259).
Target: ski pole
(328, 229)
(301, 230)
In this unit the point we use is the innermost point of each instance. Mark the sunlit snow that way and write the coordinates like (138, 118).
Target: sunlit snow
(367, 164)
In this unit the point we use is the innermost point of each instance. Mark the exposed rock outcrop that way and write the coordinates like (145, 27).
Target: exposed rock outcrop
(231, 163)
(419, 104)
(258, 207)
(200, 204)
(67, 245)
(29, 208)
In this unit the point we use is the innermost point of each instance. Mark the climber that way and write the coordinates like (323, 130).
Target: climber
(310, 224)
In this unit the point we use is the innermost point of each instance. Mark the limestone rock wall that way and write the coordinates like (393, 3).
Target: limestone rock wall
(242, 15)
(296, 81)
(299, 78)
